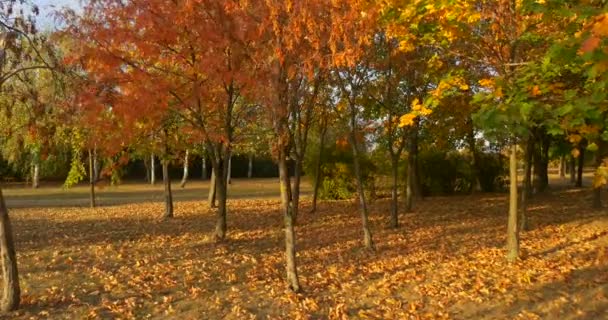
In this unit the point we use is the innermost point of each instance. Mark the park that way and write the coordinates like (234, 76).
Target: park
(323, 159)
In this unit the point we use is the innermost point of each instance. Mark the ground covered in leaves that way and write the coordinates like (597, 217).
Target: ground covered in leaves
(445, 261)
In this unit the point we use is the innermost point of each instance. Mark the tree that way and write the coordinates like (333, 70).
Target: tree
(17, 47)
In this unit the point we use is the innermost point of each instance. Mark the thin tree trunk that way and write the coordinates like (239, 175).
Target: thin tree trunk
(92, 178)
(581, 165)
(315, 193)
(295, 194)
(212, 190)
(367, 235)
(562, 167)
(512, 232)
(229, 173)
(597, 190)
(544, 168)
(572, 164)
(204, 170)
(526, 193)
(537, 164)
(11, 292)
(290, 235)
(147, 168)
(96, 165)
(250, 167)
(36, 175)
(394, 193)
(152, 170)
(221, 188)
(408, 188)
(185, 176)
(476, 184)
(416, 185)
(168, 194)
(412, 185)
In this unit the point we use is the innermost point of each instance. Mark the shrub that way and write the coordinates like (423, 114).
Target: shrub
(451, 172)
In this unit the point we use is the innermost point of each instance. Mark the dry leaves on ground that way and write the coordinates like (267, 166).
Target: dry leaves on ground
(445, 261)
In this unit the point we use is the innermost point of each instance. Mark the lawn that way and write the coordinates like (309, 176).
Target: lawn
(445, 261)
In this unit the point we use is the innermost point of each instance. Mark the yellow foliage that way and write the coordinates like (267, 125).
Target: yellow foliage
(575, 138)
(407, 120)
(536, 91)
(406, 46)
(498, 92)
(600, 178)
(489, 83)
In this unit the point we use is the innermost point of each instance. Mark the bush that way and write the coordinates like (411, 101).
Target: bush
(336, 182)
(451, 172)
(444, 173)
(337, 172)
(492, 171)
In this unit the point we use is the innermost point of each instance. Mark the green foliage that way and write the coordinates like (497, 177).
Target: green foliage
(77, 171)
(337, 182)
(337, 172)
(493, 168)
(445, 173)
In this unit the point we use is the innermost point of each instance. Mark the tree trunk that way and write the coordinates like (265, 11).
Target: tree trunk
(152, 170)
(512, 233)
(168, 194)
(408, 187)
(544, 164)
(204, 170)
(367, 235)
(572, 165)
(250, 167)
(412, 182)
(476, 184)
(526, 193)
(96, 165)
(290, 236)
(562, 167)
(394, 193)
(11, 291)
(537, 164)
(147, 168)
(581, 165)
(212, 190)
(221, 188)
(92, 178)
(36, 175)
(295, 193)
(315, 193)
(599, 160)
(185, 176)
(229, 172)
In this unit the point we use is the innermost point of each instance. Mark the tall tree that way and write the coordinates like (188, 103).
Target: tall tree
(18, 46)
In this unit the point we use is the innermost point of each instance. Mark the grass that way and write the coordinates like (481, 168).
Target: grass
(445, 261)
(53, 195)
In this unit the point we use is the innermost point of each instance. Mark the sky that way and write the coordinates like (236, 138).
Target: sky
(44, 20)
